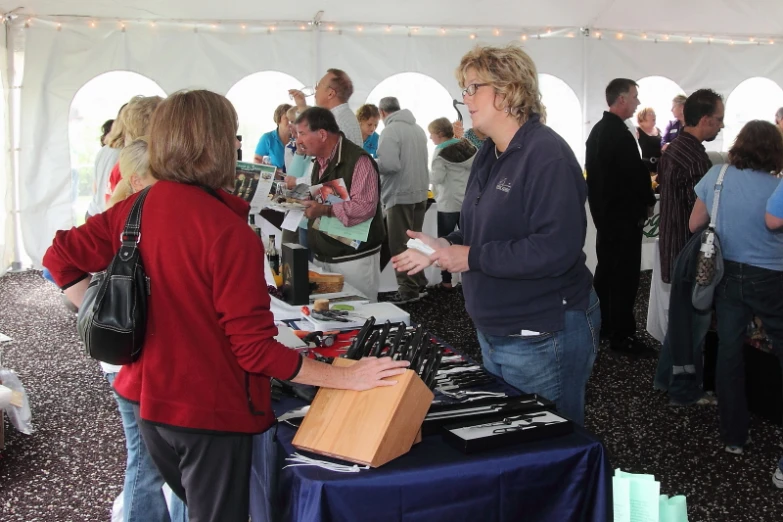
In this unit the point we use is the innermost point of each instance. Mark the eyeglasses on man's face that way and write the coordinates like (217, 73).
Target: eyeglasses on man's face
(471, 89)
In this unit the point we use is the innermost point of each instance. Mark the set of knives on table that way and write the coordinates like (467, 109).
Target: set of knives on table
(414, 345)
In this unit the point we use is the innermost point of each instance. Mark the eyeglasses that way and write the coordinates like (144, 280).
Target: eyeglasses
(471, 89)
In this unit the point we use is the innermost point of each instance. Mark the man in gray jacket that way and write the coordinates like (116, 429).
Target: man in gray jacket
(402, 163)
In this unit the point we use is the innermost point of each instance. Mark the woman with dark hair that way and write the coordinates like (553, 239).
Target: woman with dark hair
(753, 264)
(200, 389)
(105, 130)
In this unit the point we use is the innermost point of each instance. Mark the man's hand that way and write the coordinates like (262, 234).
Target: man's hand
(290, 182)
(369, 372)
(453, 259)
(432, 242)
(298, 97)
(314, 209)
(411, 262)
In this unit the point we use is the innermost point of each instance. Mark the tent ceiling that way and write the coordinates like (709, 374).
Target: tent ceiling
(718, 17)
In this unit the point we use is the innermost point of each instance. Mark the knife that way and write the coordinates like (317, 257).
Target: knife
(414, 351)
(429, 367)
(437, 356)
(367, 349)
(395, 345)
(381, 340)
(355, 351)
(425, 353)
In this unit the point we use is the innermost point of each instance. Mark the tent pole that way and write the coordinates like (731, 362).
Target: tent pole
(317, 71)
(585, 85)
(13, 99)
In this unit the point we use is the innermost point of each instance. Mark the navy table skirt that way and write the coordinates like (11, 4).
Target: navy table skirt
(563, 479)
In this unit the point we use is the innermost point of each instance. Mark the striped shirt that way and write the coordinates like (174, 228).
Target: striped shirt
(681, 167)
(364, 190)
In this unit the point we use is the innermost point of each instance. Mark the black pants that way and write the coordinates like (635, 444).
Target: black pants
(210, 473)
(447, 222)
(619, 252)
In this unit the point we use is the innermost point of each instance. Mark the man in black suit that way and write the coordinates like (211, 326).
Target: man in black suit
(620, 195)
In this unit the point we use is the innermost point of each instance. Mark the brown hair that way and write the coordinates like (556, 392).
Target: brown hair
(759, 146)
(367, 111)
(442, 126)
(342, 84)
(513, 75)
(137, 115)
(642, 114)
(281, 111)
(192, 139)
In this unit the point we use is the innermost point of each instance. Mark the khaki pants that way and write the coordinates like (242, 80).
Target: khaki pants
(363, 274)
(400, 219)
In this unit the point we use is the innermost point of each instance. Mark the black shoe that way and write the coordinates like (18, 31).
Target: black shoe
(633, 347)
(399, 299)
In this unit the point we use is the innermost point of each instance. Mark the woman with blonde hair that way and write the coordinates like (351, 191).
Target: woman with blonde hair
(136, 122)
(135, 170)
(649, 138)
(522, 229)
(209, 319)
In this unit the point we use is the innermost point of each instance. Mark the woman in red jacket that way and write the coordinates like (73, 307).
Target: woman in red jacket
(201, 386)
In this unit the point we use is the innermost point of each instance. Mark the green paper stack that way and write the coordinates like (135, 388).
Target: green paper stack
(637, 498)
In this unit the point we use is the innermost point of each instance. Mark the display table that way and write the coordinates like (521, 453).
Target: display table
(559, 480)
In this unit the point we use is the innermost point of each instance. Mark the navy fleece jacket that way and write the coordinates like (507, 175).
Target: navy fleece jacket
(524, 220)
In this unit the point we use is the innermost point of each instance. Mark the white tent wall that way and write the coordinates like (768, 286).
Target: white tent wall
(7, 232)
(176, 56)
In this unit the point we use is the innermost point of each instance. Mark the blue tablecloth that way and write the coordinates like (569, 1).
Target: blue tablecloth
(562, 479)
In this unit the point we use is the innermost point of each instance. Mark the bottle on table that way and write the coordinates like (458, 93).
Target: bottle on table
(273, 255)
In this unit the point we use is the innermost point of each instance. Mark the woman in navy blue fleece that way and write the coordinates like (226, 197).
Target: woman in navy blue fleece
(520, 238)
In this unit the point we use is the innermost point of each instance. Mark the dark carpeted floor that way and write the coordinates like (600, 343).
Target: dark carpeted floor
(71, 468)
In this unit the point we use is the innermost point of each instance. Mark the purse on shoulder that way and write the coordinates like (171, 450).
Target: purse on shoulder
(112, 320)
(709, 261)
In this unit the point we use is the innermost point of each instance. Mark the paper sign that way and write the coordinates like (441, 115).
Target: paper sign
(334, 227)
(292, 220)
(636, 497)
(622, 499)
(253, 182)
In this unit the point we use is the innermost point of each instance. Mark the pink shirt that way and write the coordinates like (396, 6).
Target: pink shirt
(364, 191)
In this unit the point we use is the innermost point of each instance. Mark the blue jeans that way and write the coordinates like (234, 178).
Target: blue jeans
(143, 497)
(745, 291)
(555, 365)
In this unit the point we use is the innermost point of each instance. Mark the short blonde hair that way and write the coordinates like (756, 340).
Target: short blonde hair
(513, 75)
(192, 139)
(441, 126)
(680, 99)
(367, 111)
(134, 159)
(116, 137)
(137, 116)
(642, 114)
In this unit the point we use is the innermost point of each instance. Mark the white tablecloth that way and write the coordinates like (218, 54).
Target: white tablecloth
(658, 309)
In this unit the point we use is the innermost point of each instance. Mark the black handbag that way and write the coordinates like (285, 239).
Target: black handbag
(112, 320)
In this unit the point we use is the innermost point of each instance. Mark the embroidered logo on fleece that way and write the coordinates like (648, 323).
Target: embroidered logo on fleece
(504, 185)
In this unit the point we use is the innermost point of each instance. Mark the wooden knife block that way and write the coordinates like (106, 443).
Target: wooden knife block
(371, 427)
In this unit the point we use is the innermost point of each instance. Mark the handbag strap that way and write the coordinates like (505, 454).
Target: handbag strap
(716, 199)
(131, 234)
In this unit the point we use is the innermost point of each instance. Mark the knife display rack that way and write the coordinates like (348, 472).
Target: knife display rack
(370, 427)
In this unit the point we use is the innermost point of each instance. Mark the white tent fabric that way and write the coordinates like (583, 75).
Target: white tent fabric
(6, 182)
(738, 17)
(58, 61)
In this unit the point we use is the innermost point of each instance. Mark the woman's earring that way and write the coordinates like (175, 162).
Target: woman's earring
(506, 110)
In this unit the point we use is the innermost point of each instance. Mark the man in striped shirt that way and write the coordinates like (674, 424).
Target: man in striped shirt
(681, 167)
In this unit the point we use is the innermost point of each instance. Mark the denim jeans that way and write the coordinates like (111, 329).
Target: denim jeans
(447, 222)
(555, 365)
(745, 291)
(143, 497)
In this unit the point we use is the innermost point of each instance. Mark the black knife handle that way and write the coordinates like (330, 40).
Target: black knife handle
(368, 346)
(381, 340)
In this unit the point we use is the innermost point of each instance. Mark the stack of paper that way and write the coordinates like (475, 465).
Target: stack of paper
(637, 498)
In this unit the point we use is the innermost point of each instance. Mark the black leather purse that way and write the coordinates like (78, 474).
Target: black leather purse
(112, 320)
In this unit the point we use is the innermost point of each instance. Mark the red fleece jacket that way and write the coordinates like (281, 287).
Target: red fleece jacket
(210, 346)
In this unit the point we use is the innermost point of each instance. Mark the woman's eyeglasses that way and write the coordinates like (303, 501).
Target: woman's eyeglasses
(471, 89)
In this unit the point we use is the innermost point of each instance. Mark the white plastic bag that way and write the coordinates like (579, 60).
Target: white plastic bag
(19, 416)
